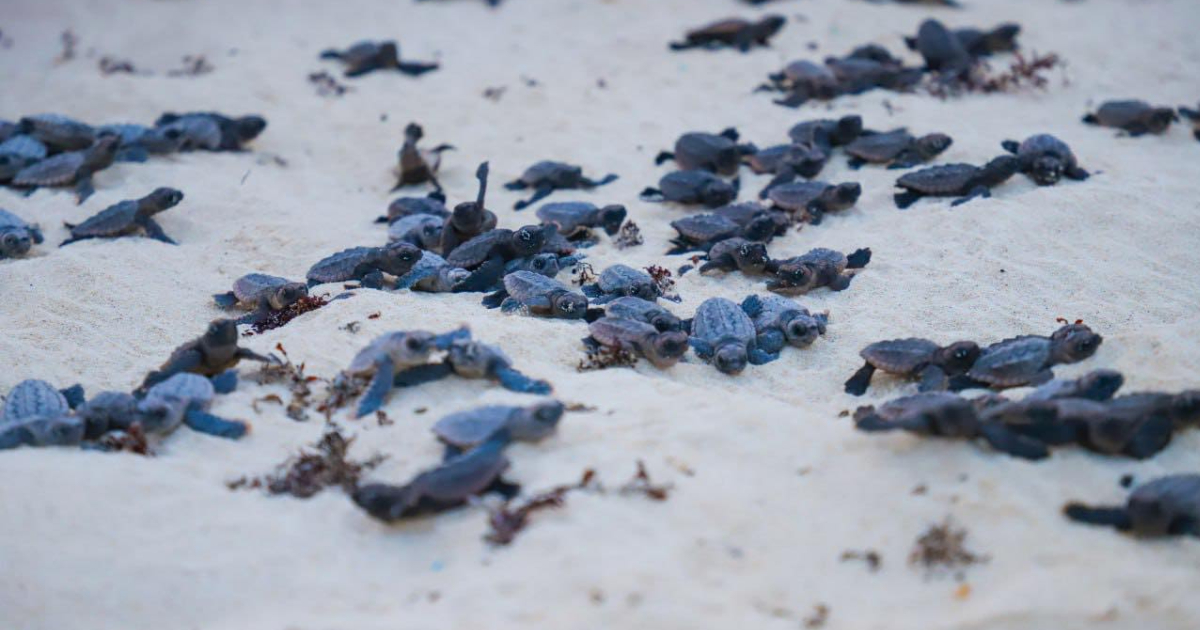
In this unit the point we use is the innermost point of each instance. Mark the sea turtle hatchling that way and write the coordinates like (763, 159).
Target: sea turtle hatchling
(827, 133)
(964, 181)
(779, 321)
(694, 187)
(942, 414)
(467, 429)
(897, 148)
(1167, 506)
(31, 398)
(718, 153)
(1098, 385)
(1133, 117)
(212, 131)
(389, 354)
(662, 348)
(17, 236)
(749, 257)
(208, 355)
(1045, 159)
(422, 230)
(498, 243)
(189, 398)
(261, 294)
(802, 81)
(810, 201)
(367, 56)
(470, 218)
(703, 231)
(788, 161)
(818, 268)
(722, 334)
(449, 485)
(58, 132)
(433, 274)
(1027, 360)
(914, 358)
(474, 360)
(541, 296)
(72, 167)
(574, 219)
(136, 143)
(416, 165)
(621, 281)
(24, 146)
(128, 218)
(646, 311)
(734, 33)
(365, 264)
(548, 176)
(941, 49)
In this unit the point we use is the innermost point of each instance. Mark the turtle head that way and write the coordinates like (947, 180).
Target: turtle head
(413, 132)
(389, 54)
(1100, 384)
(717, 192)
(164, 198)
(537, 421)
(221, 332)
(1073, 343)
(528, 240)
(663, 321)
(15, 243)
(454, 276)
(248, 127)
(646, 290)
(958, 357)
(568, 305)
(803, 329)
(288, 294)
(770, 25)
(843, 196)
(999, 170)
(794, 275)
(104, 149)
(847, 129)
(470, 358)
(386, 502)
(1047, 170)
(430, 234)
(399, 258)
(731, 358)
(544, 264)
(751, 256)
(1185, 408)
(1159, 118)
(760, 228)
(611, 218)
(932, 145)
(666, 348)
(410, 348)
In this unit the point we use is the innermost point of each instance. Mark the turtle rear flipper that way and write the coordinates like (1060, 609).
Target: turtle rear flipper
(1116, 517)
(513, 380)
(331, 54)
(541, 193)
(663, 156)
(1007, 441)
(905, 199)
(1150, 438)
(1077, 174)
(416, 68)
(207, 423)
(225, 300)
(155, 231)
(421, 374)
(866, 419)
(84, 189)
(793, 100)
(377, 390)
(857, 385)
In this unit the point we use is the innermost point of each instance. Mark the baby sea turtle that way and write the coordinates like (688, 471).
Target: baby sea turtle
(779, 321)
(897, 148)
(803, 81)
(826, 133)
(500, 243)
(942, 50)
(942, 414)
(810, 201)
(718, 153)
(389, 354)
(1098, 385)
(547, 176)
(207, 355)
(422, 230)
(661, 348)
(695, 187)
(474, 360)
(261, 294)
(128, 218)
(749, 257)
(546, 264)
(136, 143)
(189, 397)
(788, 161)
(33, 397)
(467, 429)
(72, 167)
(365, 264)
(703, 231)
(542, 296)
(433, 204)
(1134, 117)
(733, 32)
(367, 56)
(1167, 506)
(449, 485)
(417, 166)
(964, 181)
(1182, 408)
(212, 131)
(24, 146)
(1045, 159)
(818, 268)
(574, 219)
(620, 281)
(1027, 360)
(1188, 113)
(17, 236)
(916, 359)
(433, 274)
(724, 335)
(859, 74)
(58, 132)
(646, 311)
(1139, 430)
(985, 42)
(470, 218)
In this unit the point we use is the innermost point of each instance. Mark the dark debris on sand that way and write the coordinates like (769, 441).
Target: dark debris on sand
(1023, 74)
(311, 471)
(193, 66)
(629, 236)
(664, 281)
(641, 484)
(132, 440)
(292, 375)
(327, 85)
(276, 319)
(508, 520)
(605, 357)
(942, 547)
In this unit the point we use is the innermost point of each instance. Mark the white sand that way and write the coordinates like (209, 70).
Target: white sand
(781, 484)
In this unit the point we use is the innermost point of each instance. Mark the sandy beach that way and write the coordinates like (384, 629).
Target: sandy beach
(770, 482)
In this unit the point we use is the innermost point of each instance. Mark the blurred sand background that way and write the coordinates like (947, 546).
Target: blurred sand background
(770, 484)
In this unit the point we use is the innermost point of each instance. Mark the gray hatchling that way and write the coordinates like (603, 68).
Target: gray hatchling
(548, 176)
(637, 309)
(261, 294)
(694, 187)
(17, 236)
(539, 295)
(620, 281)
(138, 142)
(574, 219)
(24, 146)
(33, 397)
(128, 218)
(779, 321)
(1045, 159)
(210, 354)
(1027, 360)
(662, 348)
(433, 203)
(914, 358)
(72, 167)
(188, 397)
(964, 181)
(468, 429)
(387, 355)
(422, 230)
(810, 201)
(474, 360)
(433, 274)
(365, 264)
(724, 335)
(818, 268)
(897, 148)
(1167, 506)
(1133, 117)
(41, 430)
(749, 257)
(499, 243)
(58, 132)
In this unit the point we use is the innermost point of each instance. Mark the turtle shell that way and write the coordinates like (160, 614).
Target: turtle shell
(880, 148)
(61, 132)
(707, 151)
(796, 195)
(1178, 494)
(52, 171)
(31, 398)
(249, 287)
(186, 387)
(548, 172)
(706, 228)
(944, 179)
(929, 404)
(114, 220)
(422, 230)
(1044, 144)
(685, 186)
(900, 356)
(477, 250)
(474, 426)
(1122, 113)
(619, 332)
(623, 279)
(824, 256)
(568, 216)
(197, 132)
(522, 285)
(1012, 362)
(407, 206)
(341, 266)
(635, 308)
(25, 146)
(717, 319)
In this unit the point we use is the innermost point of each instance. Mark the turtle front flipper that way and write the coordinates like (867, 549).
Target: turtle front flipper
(155, 231)
(771, 341)
(1008, 441)
(780, 179)
(587, 182)
(445, 340)
(794, 99)
(701, 347)
(841, 282)
(416, 68)
(74, 395)
(758, 356)
(541, 193)
(905, 199)
(372, 280)
(84, 189)
(420, 374)
(1116, 517)
(724, 262)
(250, 355)
(225, 382)
(857, 385)
(979, 192)
(204, 422)
(933, 379)
(483, 278)
(377, 391)
(495, 300)
(226, 300)
(513, 380)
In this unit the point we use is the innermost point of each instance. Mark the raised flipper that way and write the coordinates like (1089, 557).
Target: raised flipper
(905, 199)
(513, 380)
(205, 422)
(421, 374)
(225, 382)
(1012, 146)
(857, 384)
(980, 192)
(445, 340)
(377, 391)
(226, 300)
(752, 306)
(541, 193)
(1007, 441)
(720, 263)
(155, 231)
(250, 355)
(372, 280)
(779, 180)
(933, 379)
(587, 182)
(1116, 517)
(510, 305)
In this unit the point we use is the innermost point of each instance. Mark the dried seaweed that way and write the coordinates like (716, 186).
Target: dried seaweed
(1023, 74)
(299, 384)
(507, 521)
(311, 471)
(112, 65)
(870, 556)
(664, 281)
(69, 41)
(641, 484)
(629, 236)
(193, 66)
(604, 357)
(276, 319)
(819, 616)
(327, 85)
(132, 440)
(341, 390)
(942, 547)
(583, 274)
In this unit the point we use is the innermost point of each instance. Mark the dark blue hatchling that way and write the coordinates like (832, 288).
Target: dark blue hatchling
(187, 398)
(136, 143)
(467, 429)
(662, 348)
(1045, 159)
(128, 218)
(388, 355)
(422, 230)
(548, 176)
(1167, 506)
(365, 264)
(261, 294)
(37, 414)
(621, 281)
(539, 296)
(722, 334)
(474, 360)
(694, 187)
(16, 236)
(71, 167)
(58, 132)
(575, 219)
(1027, 360)
(646, 311)
(780, 322)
